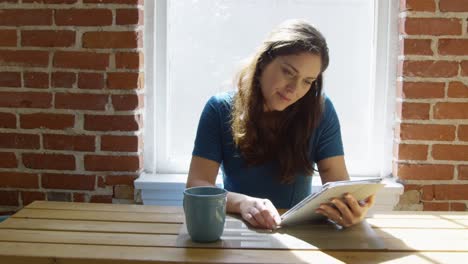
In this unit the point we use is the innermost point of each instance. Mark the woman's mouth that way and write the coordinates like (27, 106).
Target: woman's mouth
(284, 98)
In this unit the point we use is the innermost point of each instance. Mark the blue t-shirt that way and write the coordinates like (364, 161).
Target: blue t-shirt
(214, 141)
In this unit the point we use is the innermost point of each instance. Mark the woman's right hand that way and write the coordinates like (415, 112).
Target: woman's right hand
(260, 213)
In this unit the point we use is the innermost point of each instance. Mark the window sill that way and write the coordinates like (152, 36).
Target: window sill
(167, 189)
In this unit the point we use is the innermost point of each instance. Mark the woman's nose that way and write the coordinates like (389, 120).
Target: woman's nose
(292, 86)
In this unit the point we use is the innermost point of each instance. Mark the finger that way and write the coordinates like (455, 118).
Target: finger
(370, 201)
(345, 212)
(353, 204)
(267, 216)
(250, 219)
(257, 215)
(274, 212)
(331, 212)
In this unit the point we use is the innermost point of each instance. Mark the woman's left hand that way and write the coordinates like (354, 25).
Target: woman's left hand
(348, 211)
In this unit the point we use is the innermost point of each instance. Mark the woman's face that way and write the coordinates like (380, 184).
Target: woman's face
(287, 79)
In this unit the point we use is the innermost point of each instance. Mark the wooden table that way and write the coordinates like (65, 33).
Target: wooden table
(57, 232)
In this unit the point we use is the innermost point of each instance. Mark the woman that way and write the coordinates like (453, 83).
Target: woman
(268, 135)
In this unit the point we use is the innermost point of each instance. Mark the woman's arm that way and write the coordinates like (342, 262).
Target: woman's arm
(347, 211)
(258, 212)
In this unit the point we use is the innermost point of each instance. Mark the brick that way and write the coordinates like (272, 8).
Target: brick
(47, 38)
(122, 179)
(63, 79)
(83, 17)
(453, 5)
(112, 163)
(7, 120)
(412, 152)
(416, 47)
(19, 141)
(36, 79)
(418, 5)
(101, 199)
(411, 187)
(464, 68)
(463, 172)
(26, 17)
(451, 192)
(125, 80)
(427, 132)
(59, 196)
(453, 46)
(127, 102)
(81, 60)
(131, 16)
(425, 172)
(8, 160)
(80, 101)
(10, 79)
(68, 181)
(120, 143)
(8, 38)
(49, 161)
(450, 152)
(457, 90)
(91, 80)
(123, 2)
(112, 40)
(421, 90)
(19, 180)
(24, 58)
(51, 1)
(25, 100)
(79, 197)
(100, 182)
(415, 111)
(46, 120)
(435, 206)
(463, 132)
(69, 142)
(451, 111)
(431, 26)
(123, 192)
(428, 192)
(430, 68)
(457, 207)
(9, 198)
(129, 60)
(29, 197)
(112, 122)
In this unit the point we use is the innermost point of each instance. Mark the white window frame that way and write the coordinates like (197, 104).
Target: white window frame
(384, 77)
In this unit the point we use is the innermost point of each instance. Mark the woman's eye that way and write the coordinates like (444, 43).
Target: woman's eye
(287, 72)
(309, 83)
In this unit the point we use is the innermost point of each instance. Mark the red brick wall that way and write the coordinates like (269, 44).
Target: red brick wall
(70, 100)
(431, 154)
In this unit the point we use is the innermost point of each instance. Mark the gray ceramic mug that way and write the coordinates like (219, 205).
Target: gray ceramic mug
(205, 212)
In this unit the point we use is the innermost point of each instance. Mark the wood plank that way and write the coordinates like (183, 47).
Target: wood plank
(421, 215)
(100, 216)
(25, 253)
(91, 226)
(399, 257)
(419, 224)
(81, 254)
(134, 208)
(88, 238)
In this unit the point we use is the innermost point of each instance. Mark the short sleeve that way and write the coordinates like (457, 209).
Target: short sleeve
(329, 142)
(208, 140)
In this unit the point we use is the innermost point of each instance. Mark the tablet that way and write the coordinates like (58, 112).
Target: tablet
(305, 209)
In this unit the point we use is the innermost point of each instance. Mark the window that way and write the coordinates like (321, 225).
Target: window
(193, 49)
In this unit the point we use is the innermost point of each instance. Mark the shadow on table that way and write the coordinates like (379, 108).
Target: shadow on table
(337, 242)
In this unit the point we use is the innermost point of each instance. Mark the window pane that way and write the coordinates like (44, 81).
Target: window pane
(206, 41)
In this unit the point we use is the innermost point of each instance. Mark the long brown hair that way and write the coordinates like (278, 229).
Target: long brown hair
(279, 136)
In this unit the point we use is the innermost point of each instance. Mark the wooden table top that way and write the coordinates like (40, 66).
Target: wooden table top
(63, 232)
